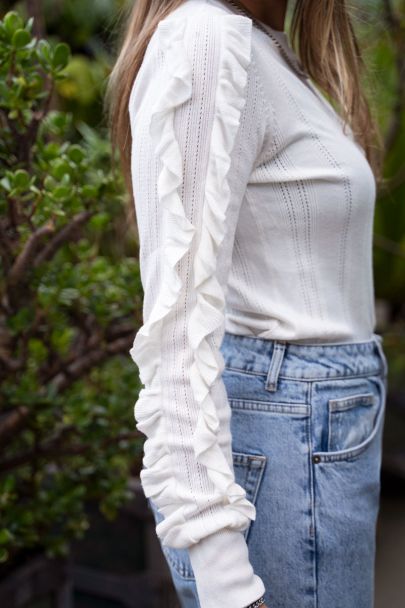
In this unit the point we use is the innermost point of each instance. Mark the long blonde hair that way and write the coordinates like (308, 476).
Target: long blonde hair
(321, 34)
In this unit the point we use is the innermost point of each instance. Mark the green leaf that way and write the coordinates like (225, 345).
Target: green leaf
(76, 153)
(20, 38)
(49, 183)
(21, 179)
(60, 167)
(58, 122)
(60, 56)
(44, 52)
(68, 295)
(5, 183)
(100, 220)
(90, 191)
(21, 320)
(37, 349)
(12, 22)
(62, 192)
(5, 536)
(61, 339)
(3, 555)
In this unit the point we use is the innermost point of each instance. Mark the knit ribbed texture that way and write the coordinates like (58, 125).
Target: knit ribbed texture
(255, 215)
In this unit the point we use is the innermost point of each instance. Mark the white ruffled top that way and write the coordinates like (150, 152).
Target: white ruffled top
(252, 208)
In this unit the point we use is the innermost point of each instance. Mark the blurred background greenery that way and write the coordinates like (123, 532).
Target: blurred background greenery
(69, 283)
(71, 296)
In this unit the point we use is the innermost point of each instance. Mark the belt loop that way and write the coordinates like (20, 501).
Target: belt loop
(379, 344)
(275, 364)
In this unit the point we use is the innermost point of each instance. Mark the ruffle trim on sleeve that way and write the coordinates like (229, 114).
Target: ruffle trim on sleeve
(179, 529)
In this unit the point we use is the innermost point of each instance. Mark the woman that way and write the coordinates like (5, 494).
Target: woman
(264, 382)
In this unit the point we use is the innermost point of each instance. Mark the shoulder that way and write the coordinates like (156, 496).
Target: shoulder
(197, 47)
(199, 22)
(204, 10)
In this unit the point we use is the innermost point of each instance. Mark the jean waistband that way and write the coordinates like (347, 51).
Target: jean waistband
(275, 358)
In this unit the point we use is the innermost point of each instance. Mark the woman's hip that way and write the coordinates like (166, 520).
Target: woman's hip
(314, 417)
(324, 402)
(306, 425)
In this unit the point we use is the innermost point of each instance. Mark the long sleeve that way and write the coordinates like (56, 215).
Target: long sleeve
(197, 131)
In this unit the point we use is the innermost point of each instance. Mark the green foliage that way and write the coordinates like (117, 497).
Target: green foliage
(384, 39)
(67, 308)
(87, 27)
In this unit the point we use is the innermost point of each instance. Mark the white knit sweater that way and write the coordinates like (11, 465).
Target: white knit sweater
(255, 215)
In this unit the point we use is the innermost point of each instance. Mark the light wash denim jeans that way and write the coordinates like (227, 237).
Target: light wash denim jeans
(307, 425)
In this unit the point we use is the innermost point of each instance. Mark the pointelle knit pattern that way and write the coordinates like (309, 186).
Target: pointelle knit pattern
(213, 111)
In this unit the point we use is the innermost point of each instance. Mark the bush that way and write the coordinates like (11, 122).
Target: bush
(69, 300)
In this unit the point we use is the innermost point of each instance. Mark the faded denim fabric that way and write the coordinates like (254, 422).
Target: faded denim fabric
(307, 426)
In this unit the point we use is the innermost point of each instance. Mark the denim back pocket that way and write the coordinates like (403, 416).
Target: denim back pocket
(249, 470)
(355, 421)
(351, 420)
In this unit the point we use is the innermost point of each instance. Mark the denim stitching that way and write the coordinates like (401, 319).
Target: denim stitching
(282, 408)
(365, 374)
(313, 530)
(347, 403)
(352, 453)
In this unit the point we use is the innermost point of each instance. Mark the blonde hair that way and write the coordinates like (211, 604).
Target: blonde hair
(321, 34)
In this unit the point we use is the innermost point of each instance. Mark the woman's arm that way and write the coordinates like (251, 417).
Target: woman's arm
(197, 129)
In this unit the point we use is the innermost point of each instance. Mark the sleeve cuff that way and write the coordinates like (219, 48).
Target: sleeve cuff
(223, 573)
